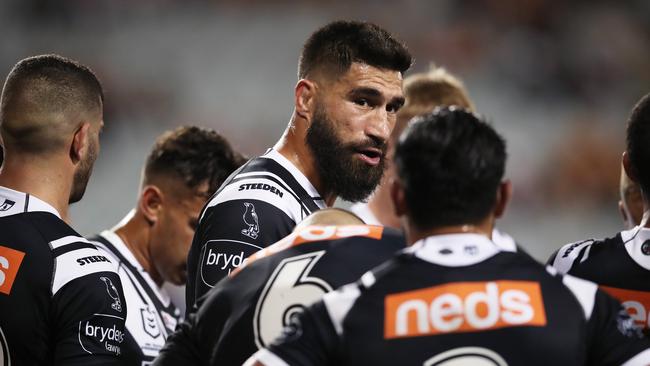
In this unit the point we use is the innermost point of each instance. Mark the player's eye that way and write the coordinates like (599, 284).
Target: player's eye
(361, 102)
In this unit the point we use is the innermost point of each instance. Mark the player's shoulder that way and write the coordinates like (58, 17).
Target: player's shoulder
(585, 251)
(76, 257)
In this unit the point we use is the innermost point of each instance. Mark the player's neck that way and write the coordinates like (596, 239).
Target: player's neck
(293, 147)
(381, 207)
(484, 228)
(136, 236)
(41, 179)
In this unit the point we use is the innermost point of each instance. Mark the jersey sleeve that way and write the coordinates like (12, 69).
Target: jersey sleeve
(89, 308)
(193, 341)
(309, 339)
(565, 258)
(613, 337)
(228, 233)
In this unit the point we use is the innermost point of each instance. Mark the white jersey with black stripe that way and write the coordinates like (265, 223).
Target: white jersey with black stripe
(61, 298)
(256, 206)
(152, 316)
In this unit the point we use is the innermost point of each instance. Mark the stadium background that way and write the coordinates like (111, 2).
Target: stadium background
(556, 78)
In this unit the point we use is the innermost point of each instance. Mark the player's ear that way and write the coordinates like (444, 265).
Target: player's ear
(629, 170)
(150, 203)
(504, 194)
(398, 197)
(80, 140)
(622, 211)
(305, 96)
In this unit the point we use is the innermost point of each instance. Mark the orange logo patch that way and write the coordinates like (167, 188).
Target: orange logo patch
(463, 307)
(315, 233)
(637, 303)
(10, 260)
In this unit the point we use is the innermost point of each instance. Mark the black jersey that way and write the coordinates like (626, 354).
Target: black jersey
(246, 312)
(256, 206)
(60, 299)
(152, 316)
(459, 300)
(619, 265)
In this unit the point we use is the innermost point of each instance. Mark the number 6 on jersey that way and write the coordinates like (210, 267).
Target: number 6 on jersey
(288, 291)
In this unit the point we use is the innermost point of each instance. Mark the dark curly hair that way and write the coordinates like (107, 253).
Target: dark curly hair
(195, 155)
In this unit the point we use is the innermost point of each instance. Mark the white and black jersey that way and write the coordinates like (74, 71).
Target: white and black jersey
(248, 310)
(619, 265)
(459, 300)
(152, 316)
(256, 206)
(60, 299)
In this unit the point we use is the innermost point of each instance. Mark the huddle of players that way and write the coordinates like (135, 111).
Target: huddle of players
(451, 295)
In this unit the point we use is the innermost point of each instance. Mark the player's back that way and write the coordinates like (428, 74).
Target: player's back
(620, 265)
(249, 310)
(60, 297)
(457, 299)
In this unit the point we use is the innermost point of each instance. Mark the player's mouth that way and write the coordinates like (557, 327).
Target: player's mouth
(370, 155)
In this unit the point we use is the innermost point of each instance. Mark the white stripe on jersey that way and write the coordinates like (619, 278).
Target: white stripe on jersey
(267, 357)
(75, 264)
(584, 291)
(67, 240)
(641, 359)
(287, 203)
(339, 303)
(454, 250)
(568, 254)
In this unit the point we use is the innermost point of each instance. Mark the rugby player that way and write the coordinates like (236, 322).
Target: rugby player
(453, 297)
(621, 264)
(60, 298)
(149, 246)
(345, 106)
(423, 92)
(244, 313)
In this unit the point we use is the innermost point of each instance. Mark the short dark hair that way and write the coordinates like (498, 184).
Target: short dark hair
(195, 155)
(39, 88)
(337, 45)
(638, 148)
(450, 163)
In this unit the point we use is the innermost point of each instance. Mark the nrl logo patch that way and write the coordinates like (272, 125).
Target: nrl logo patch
(149, 323)
(251, 220)
(7, 205)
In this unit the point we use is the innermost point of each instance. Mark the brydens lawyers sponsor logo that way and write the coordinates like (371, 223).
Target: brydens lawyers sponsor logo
(637, 304)
(101, 333)
(463, 307)
(10, 260)
(220, 257)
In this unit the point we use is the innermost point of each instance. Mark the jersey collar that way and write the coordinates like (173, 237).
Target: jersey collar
(297, 174)
(13, 202)
(454, 250)
(637, 244)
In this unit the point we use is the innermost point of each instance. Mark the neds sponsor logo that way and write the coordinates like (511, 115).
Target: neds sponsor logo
(463, 307)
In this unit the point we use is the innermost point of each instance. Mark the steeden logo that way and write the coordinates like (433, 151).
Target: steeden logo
(10, 260)
(463, 307)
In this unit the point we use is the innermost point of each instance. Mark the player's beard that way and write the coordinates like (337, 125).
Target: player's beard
(340, 172)
(82, 174)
